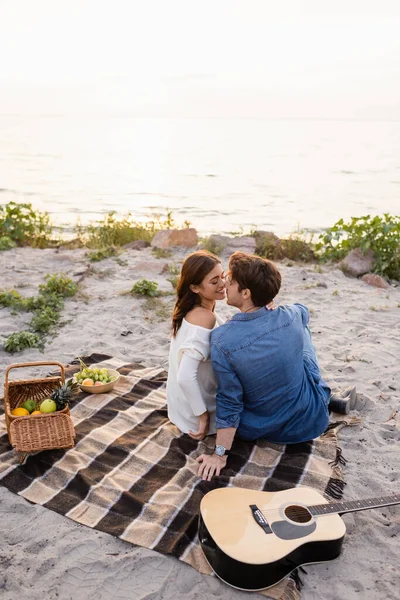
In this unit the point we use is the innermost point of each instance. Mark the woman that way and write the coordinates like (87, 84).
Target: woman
(191, 385)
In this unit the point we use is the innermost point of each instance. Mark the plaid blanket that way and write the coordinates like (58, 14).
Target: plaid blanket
(133, 474)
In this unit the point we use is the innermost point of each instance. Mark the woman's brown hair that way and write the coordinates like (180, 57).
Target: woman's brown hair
(195, 267)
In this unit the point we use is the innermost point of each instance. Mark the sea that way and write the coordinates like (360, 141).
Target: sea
(221, 175)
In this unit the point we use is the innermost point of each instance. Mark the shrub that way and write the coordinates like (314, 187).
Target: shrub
(112, 231)
(46, 308)
(380, 234)
(295, 247)
(268, 246)
(13, 299)
(44, 320)
(6, 243)
(46, 300)
(161, 252)
(58, 284)
(210, 244)
(24, 226)
(160, 309)
(103, 253)
(17, 342)
(145, 288)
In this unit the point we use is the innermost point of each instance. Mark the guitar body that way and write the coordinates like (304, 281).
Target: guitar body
(253, 554)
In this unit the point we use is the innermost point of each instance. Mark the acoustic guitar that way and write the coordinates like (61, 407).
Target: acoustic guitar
(254, 539)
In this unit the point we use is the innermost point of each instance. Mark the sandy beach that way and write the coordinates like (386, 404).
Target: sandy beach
(356, 330)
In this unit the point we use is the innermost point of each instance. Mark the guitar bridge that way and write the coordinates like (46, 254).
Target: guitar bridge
(260, 519)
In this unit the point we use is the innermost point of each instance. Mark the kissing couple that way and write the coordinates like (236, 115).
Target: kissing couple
(255, 376)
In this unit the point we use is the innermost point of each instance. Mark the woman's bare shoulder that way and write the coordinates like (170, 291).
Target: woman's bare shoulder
(201, 317)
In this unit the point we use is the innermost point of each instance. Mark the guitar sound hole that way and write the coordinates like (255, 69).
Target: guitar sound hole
(298, 514)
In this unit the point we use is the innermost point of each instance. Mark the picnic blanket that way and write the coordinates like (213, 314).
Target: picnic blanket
(132, 473)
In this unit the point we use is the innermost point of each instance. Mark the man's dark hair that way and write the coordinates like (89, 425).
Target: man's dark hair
(257, 274)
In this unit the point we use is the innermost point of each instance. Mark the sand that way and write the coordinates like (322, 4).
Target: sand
(356, 330)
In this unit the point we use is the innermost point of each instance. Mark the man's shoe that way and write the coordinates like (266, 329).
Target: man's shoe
(343, 401)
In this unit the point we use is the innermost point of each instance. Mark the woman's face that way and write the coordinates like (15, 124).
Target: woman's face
(213, 285)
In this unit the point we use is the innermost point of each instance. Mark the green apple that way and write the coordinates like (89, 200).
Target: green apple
(30, 405)
(48, 406)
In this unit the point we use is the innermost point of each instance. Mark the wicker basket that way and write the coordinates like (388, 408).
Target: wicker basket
(40, 432)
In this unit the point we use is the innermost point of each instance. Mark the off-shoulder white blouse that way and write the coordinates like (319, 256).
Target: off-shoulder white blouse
(191, 384)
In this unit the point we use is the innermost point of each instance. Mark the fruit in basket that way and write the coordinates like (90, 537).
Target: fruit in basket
(30, 405)
(35, 412)
(48, 406)
(62, 395)
(20, 412)
(87, 381)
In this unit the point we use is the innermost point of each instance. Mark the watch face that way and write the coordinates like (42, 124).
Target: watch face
(219, 450)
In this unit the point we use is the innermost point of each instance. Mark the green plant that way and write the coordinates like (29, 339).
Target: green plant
(157, 306)
(6, 243)
(294, 247)
(58, 284)
(174, 271)
(111, 231)
(381, 234)
(45, 300)
(102, 253)
(13, 299)
(210, 244)
(17, 342)
(24, 226)
(173, 281)
(144, 287)
(44, 320)
(268, 246)
(46, 308)
(161, 252)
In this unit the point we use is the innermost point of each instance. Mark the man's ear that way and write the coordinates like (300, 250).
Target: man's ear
(246, 294)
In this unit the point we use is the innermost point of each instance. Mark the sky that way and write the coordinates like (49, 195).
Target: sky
(208, 58)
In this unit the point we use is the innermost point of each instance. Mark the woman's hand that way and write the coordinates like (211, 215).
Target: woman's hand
(204, 425)
(271, 306)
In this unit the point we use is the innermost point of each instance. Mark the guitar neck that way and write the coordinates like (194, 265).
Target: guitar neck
(354, 505)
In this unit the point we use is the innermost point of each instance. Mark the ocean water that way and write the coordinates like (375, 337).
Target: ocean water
(222, 175)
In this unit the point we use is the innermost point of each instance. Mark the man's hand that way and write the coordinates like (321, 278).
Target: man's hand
(210, 465)
(204, 425)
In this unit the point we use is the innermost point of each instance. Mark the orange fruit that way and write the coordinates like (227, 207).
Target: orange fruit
(98, 383)
(20, 412)
(87, 381)
(36, 412)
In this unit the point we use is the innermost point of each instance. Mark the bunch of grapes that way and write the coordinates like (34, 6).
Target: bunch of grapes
(94, 374)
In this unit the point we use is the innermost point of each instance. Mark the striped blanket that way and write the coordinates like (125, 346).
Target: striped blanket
(133, 474)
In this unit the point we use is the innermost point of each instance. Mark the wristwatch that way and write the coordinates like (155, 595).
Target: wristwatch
(221, 451)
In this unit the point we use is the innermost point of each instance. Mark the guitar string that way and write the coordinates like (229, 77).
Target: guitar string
(299, 511)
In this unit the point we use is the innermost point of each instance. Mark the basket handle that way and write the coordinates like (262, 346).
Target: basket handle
(36, 364)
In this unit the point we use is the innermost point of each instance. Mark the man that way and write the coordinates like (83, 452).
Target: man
(269, 381)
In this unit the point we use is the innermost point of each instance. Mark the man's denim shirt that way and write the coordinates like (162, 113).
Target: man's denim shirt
(269, 382)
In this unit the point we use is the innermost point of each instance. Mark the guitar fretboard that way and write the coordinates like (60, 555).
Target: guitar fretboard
(354, 505)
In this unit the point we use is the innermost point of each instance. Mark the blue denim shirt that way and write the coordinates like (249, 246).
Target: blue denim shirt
(269, 382)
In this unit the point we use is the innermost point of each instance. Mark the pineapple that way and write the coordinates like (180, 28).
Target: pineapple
(64, 394)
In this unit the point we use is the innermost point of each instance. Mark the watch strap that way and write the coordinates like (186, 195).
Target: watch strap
(226, 453)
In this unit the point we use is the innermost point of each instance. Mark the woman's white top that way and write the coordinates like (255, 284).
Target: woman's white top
(191, 384)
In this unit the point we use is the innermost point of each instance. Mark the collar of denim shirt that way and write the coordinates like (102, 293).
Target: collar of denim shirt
(241, 316)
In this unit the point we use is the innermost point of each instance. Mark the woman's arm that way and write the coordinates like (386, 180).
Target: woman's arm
(188, 383)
